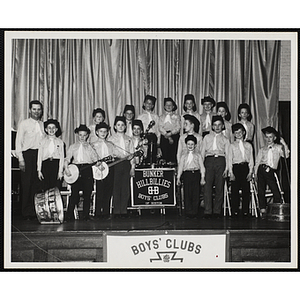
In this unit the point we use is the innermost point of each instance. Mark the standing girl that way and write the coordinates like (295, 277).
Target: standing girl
(223, 111)
(190, 108)
(191, 127)
(245, 117)
(98, 117)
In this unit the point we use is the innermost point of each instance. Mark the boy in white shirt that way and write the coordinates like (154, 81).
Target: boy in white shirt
(266, 166)
(240, 162)
(104, 187)
(214, 150)
(50, 161)
(192, 167)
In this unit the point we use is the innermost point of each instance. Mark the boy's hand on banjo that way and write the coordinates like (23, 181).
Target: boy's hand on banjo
(67, 171)
(101, 166)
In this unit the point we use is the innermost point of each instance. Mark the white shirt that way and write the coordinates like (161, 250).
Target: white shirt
(44, 152)
(29, 135)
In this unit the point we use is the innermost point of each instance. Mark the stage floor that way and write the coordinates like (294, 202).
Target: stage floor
(251, 239)
(152, 220)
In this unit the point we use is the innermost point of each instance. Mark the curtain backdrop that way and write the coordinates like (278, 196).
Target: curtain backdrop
(71, 77)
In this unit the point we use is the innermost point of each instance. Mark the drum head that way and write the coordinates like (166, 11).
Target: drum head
(100, 172)
(49, 207)
(74, 174)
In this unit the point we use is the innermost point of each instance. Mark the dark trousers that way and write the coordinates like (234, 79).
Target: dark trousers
(104, 190)
(214, 168)
(121, 189)
(266, 178)
(50, 173)
(240, 172)
(84, 183)
(30, 182)
(169, 151)
(191, 190)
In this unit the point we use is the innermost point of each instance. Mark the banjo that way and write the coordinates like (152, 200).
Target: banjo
(102, 170)
(75, 171)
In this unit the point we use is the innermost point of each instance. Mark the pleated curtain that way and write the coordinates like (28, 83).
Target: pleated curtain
(71, 77)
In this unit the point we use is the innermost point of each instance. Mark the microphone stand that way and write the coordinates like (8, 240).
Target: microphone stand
(286, 166)
(151, 153)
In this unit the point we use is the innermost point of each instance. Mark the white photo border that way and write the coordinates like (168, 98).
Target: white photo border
(126, 34)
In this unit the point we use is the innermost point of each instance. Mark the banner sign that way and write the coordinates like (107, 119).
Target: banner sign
(166, 250)
(151, 187)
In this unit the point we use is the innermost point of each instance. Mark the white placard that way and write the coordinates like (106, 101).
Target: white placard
(166, 250)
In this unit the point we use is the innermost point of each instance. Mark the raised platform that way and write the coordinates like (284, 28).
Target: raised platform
(251, 239)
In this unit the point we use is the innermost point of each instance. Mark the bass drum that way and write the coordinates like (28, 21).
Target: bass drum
(49, 207)
(100, 172)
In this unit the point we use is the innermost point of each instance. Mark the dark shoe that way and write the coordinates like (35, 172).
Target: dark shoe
(263, 214)
(86, 219)
(217, 216)
(191, 217)
(207, 216)
(235, 215)
(68, 220)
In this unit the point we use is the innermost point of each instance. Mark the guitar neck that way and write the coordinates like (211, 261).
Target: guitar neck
(117, 161)
(99, 160)
(138, 153)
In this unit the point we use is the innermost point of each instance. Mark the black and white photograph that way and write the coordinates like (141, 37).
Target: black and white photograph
(153, 150)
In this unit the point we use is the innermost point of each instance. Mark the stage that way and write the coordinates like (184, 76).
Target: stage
(251, 239)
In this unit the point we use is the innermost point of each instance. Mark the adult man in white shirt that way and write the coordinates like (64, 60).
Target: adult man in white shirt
(29, 135)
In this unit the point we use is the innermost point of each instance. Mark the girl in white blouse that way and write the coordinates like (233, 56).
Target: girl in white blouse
(190, 108)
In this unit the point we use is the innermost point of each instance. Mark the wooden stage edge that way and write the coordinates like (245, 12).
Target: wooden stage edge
(253, 240)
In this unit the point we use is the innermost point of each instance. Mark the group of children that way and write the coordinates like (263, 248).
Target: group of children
(207, 149)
